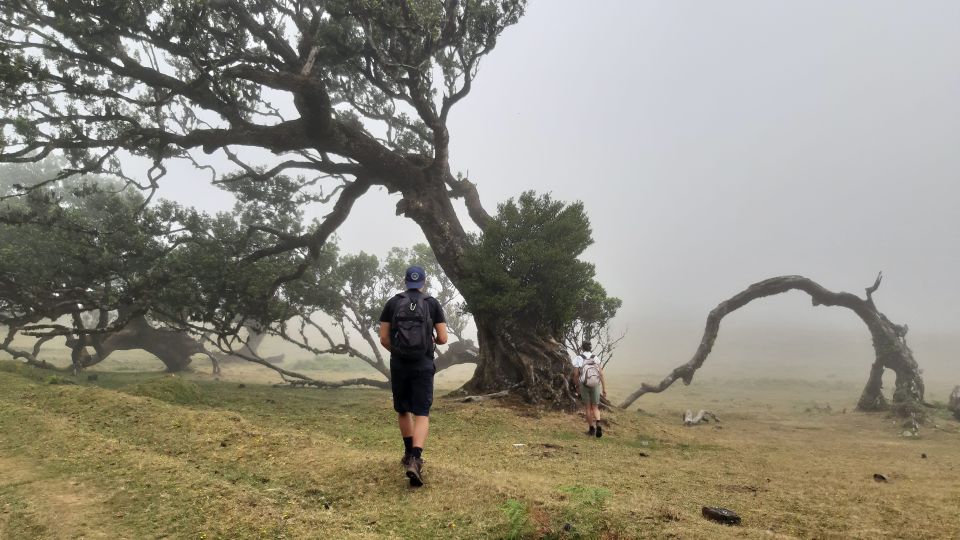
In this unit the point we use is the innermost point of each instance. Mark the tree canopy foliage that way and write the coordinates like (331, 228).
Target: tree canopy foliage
(527, 262)
(371, 85)
(83, 257)
(310, 102)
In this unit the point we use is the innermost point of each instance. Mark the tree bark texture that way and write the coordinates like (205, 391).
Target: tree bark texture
(512, 357)
(889, 342)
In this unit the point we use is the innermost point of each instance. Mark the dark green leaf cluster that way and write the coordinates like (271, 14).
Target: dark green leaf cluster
(526, 266)
(93, 245)
(79, 249)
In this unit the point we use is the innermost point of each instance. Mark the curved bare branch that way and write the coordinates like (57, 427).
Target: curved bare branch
(888, 339)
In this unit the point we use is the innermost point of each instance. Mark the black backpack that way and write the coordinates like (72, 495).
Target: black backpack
(411, 329)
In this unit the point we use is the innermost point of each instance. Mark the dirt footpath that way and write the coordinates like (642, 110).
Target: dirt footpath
(36, 504)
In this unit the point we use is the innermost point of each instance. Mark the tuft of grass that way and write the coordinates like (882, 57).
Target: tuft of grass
(585, 511)
(8, 366)
(18, 521)
(23, 370)
(518, 519)
(171, 389)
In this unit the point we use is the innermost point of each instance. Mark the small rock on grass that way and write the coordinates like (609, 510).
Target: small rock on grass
(721, 515)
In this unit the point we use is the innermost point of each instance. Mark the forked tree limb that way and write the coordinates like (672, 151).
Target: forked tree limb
(32, 357)
(457, 352)
(888, 339)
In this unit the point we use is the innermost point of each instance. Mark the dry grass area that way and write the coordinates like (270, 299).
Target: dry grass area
(147, 455)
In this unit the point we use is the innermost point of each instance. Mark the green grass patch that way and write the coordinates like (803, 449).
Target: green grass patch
(518, 520)
(18, 521)
(585, 511)
(159, 456)
(170, 388)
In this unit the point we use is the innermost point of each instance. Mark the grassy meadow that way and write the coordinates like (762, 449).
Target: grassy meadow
(148, 455)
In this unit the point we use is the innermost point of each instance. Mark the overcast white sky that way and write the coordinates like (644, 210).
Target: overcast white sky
(716, 144)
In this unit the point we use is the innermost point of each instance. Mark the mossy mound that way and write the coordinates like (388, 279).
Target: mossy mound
(171, 389)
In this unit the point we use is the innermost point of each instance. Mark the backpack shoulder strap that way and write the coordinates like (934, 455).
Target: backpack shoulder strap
(397, 301)
(408, 296)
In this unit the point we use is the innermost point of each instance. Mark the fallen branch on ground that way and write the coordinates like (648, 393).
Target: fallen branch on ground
(690, 419)
(495, 395)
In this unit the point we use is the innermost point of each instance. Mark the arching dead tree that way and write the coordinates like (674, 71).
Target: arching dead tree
(889, 343)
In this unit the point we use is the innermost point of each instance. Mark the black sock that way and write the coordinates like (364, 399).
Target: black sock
(408, 445)
(417, 452)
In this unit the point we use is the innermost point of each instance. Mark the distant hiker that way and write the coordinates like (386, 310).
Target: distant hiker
(588, 378)
(410, 324)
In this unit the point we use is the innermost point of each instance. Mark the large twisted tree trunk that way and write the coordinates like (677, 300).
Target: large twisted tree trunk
(889, 343)
(513, 358)
(172, 347)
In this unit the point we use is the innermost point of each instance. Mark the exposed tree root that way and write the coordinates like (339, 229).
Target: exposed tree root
(537, 367)
(495, 395)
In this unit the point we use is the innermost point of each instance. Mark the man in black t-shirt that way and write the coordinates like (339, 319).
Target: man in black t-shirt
(406, 317)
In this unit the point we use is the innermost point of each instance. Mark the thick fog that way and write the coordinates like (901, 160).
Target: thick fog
(718, 144)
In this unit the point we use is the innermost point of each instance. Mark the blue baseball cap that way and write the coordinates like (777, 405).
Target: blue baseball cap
(415, 277)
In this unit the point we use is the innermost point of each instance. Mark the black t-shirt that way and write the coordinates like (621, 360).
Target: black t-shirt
(436, 313)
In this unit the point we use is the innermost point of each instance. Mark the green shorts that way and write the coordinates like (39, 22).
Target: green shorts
(590, 395)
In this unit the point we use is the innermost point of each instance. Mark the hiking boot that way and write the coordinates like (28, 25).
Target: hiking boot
(591, 431)
(599, 431)
(414, 468)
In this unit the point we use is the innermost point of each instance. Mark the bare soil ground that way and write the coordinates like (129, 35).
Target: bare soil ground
(147, 455)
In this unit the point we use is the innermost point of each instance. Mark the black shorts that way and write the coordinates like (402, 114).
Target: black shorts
(412, 386)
